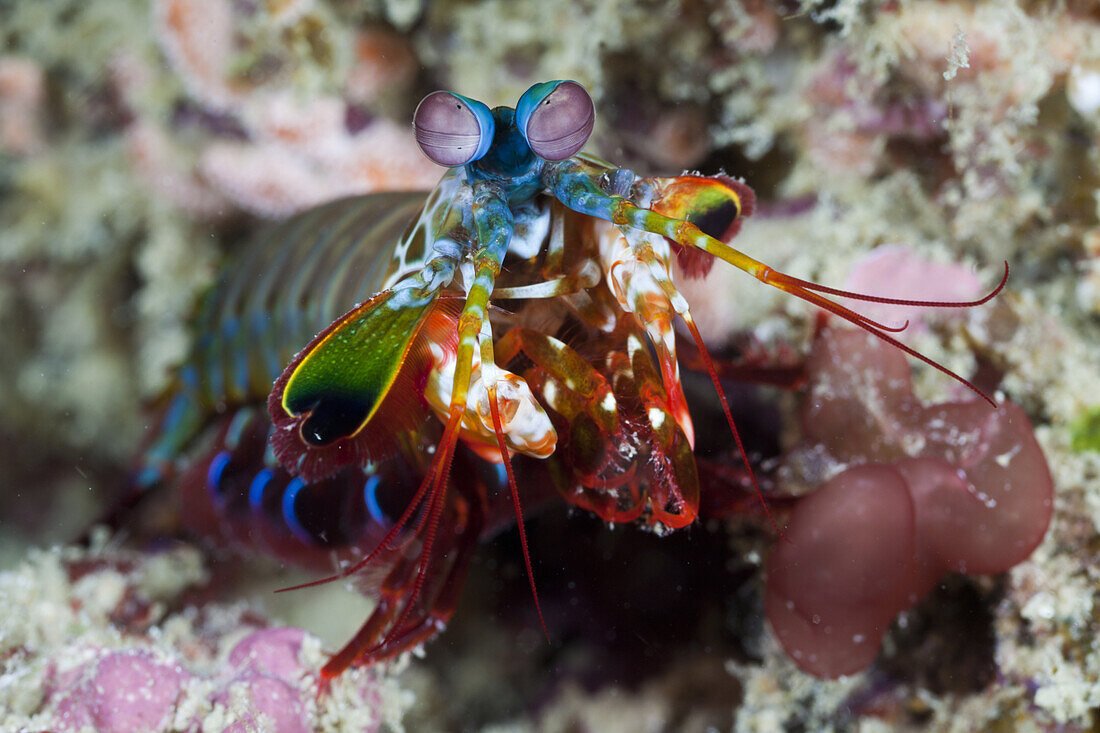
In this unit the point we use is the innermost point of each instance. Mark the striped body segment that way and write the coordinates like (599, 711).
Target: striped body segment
(290, 281)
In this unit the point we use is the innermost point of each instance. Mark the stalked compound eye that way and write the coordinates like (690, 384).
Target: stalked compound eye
(556, 118)
(451, 129)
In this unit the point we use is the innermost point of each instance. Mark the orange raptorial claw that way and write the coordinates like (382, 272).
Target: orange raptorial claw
(526, 427)
(672, 492)
(635, 462)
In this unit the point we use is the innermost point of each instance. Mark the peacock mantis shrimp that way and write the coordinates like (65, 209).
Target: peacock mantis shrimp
(522, 311)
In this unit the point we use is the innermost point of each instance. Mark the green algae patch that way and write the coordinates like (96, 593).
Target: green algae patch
(1085, 432)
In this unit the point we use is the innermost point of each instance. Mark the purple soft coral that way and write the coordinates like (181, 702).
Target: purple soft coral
(121, 691)
(268, 680)
(199, 677)
(948, 487)
(127, 690)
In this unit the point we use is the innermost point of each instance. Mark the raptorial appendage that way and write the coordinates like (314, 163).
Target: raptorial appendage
(353, 389)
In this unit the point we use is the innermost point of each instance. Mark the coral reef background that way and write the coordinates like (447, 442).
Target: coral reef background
(909, 146)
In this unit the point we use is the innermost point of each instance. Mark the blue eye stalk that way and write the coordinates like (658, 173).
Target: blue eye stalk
(530, 100)
(453, 130)
(556, 118)
(553, 118)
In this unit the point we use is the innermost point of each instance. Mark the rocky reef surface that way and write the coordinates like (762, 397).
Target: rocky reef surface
(903, 147)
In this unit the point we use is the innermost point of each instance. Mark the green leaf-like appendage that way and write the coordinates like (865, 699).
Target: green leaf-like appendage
(351, 367)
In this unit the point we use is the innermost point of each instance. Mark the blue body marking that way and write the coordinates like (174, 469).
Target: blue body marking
(256, 490)
(215, 471)
(290, 515)
(370, 497)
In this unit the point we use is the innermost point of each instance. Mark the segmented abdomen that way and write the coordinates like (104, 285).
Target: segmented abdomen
(290, 282)
(287, 284)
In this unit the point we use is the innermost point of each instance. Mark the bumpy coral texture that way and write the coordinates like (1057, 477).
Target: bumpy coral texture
(951, 487)
(121, 691)
(102, 641)
(260, 688)
(294, 146)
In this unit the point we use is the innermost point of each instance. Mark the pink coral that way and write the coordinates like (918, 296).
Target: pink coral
(197, 38)
(268, 674)
(302, 156)
(121, 691)
(896, 271)
(100, 655)
(950, 487)
(750, 27)
(289, 149)
(263, 686)
(264, 678)
(268, 703)
(22, 96)
(383, 61)
(853, 117)
(271, 652)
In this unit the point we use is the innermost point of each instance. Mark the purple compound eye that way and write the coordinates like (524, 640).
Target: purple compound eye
(556, 118)
(451, 129)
